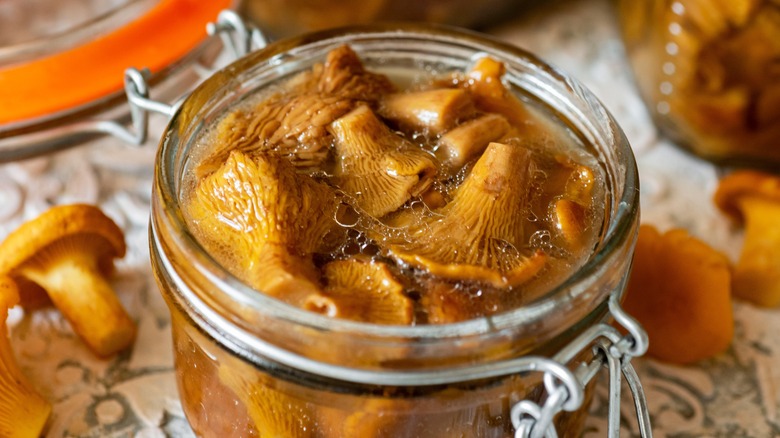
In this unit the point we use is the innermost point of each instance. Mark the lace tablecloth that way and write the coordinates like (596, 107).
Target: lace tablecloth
(134, 395)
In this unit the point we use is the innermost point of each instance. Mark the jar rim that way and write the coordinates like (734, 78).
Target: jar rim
(619, 232)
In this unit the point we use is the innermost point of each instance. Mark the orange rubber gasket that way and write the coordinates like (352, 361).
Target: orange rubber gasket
(165, 34)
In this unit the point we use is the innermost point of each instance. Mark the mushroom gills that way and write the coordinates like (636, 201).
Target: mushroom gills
(365, 290)
(379, 169)
(23, 412)
(480, 235)
(264, 222)
(69, 251)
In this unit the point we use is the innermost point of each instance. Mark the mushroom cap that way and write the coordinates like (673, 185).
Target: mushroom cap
(378, 168)
(365, 290)
(679, 290)
(263, 222)
(59, 224)
(745, 183)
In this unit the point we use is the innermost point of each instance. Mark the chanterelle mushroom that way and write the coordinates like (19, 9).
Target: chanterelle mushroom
(365, 290)
(294, 123)
(23, 412)
(478, 235)
(428, 111)
(754, 198)
(68, 251)
(378, 168)
(265, 221)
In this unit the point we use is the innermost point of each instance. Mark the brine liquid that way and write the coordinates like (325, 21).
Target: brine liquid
(558, 154)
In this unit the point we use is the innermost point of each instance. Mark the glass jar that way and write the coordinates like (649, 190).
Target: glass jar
(61, 73)
(710, 74)
(250, 365)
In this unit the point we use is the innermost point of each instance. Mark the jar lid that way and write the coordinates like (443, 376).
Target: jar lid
(82, 74)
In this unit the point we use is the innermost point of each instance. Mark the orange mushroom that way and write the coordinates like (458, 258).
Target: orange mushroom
(480, 234)
(23, 412)
(679, 291)
(429, 111)
(294, 123)
(264, 222)
(570, 210)
(483, 81)
(468, 140)
(378, 168)
(753, 198)
(365, 290)
(68, 251)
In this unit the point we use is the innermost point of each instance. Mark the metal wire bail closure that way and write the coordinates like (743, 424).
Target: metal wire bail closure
(237, 37)
(565, 391)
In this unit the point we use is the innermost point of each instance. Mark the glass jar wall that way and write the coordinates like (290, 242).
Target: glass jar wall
(250, 365)
(709, 72)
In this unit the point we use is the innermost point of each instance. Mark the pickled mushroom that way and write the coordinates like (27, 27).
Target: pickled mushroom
(294, 124)
(23, 412)
(570, 210)
(272, 410)
(469, 139)
(478, 236)
(267, 221)
(679, 290)
(429, 111)
(378, 168)
(483, 81)
(752, 198)
(367, 291)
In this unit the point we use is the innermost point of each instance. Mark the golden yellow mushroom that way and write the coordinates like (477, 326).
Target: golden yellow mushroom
(679, 291)
(753, 198)
(483, 81)
(365, 290)
(379, 169)
(430, 112)
(294, 123)
(468, 140)
(69, 251)
(264, 221)
(268, 401)
(480, 235)
(570, 210)
(23, 412)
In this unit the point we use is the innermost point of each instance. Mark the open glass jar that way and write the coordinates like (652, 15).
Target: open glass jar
(710, 74)
(250, 365)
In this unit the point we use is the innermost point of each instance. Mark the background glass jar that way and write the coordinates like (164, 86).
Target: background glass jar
(709, 72)
(248, 364)
(61, 72)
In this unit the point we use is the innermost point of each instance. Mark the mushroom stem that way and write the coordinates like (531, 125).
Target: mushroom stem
(78, 289)
(757, 273)
(430, 111)
(23, 412)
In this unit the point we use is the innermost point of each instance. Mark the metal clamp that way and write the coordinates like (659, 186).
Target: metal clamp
(238, 37)
(612, 350)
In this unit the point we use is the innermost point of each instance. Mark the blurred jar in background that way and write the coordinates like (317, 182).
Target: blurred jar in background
(281, 18)
(709, 71)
